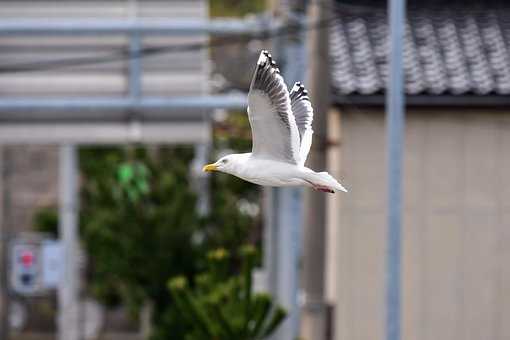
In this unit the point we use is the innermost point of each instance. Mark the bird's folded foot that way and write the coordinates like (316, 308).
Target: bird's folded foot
(324, 189)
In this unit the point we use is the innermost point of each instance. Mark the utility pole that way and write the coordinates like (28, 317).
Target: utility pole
(4, 244)
(314, 312)
(282, 219)
(395, 123)
(68, 289)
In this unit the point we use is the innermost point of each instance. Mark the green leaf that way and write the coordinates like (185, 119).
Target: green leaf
(261, 309)
(137, 224)
(248, 253)
(125, 173)
(278, 316)
(185, 301)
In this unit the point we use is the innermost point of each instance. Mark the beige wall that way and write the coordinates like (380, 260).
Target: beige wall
(30, 175)
(456, 237)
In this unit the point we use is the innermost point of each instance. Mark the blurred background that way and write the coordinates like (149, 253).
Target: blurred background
(109, 229)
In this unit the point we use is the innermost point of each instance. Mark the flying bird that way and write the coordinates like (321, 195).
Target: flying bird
(281, 124)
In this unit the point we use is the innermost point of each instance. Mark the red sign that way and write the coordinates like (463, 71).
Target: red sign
(27, 258)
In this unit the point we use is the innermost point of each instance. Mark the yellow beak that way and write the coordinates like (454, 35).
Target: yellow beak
(210, 167)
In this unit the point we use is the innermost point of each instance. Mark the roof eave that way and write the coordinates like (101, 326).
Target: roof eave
(425, 100)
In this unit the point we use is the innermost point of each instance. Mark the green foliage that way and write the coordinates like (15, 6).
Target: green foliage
(235, 8)
(224, 307)
(133, 179)
(139, 225)
(45, 220)
(227, 192)
(137, 222)
(226, 226)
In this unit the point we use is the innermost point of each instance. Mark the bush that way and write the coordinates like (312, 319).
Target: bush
(223, 306)
(139, 225)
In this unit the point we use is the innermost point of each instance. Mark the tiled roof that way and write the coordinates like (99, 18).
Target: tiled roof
(446, 52)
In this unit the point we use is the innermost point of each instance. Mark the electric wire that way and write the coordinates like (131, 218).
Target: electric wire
(127, 54)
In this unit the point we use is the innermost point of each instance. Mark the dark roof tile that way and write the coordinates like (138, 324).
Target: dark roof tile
(445, 52)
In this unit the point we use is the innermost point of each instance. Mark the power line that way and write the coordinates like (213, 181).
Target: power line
(126, 54)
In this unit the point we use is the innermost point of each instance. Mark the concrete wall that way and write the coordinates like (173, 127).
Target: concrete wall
(456, 228)
(31, 182)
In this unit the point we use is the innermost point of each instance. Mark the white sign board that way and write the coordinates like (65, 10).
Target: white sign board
(52, 263)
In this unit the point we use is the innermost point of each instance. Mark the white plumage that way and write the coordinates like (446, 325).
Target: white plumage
(281, 125)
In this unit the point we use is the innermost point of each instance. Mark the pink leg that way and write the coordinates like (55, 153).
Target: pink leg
(322, 188)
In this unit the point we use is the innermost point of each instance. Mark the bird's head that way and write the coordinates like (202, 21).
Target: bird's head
(227, 164)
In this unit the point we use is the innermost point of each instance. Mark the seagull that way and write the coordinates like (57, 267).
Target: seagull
(281, 125)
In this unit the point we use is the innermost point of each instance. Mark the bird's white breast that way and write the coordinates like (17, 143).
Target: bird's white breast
(270, 173)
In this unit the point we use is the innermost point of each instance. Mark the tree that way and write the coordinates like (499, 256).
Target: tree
(138, 223)
(139, 226)
(224, 307)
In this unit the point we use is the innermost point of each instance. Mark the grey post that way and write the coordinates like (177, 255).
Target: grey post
(284, 226)
(395, 137)
(135, 67)
(314, 312)
(226, 101)
(77, 27)
(68, 290)
(135, 75)
(4, 242)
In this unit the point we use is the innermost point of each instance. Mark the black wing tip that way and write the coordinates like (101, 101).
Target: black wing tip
(299, 91)
(266, 58)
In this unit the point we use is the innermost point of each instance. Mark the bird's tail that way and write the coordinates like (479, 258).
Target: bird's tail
(325, 179)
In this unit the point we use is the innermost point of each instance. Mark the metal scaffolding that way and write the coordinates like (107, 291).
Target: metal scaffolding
(43, 27)
(18, 114)
(70, 122)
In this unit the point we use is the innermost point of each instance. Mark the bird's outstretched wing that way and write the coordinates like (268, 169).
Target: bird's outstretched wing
(274, 130)
(303, 113)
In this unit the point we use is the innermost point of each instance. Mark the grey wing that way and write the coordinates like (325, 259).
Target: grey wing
(274, 131)
(303, 113)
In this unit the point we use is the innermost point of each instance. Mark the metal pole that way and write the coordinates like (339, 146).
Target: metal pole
(201, 180)
(285, 229)
(315, 309)
(135, 64)
(68, 290)
(135, 74)
(4, 243)
(135, 67)
(184, 26)
(286, 254)
(204, 102)
(395, 138)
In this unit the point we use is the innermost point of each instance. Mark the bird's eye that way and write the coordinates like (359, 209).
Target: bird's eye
(224, 161)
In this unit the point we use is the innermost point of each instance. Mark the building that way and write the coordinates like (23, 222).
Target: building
(456, 186)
